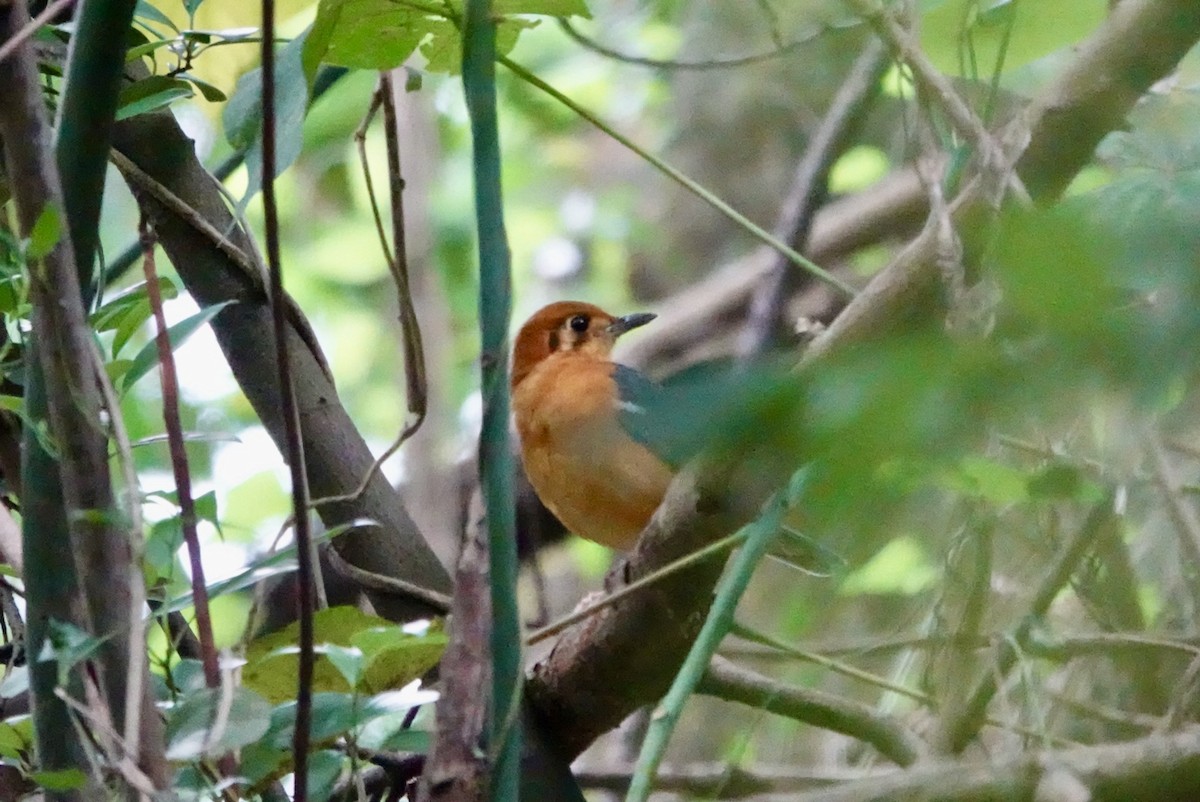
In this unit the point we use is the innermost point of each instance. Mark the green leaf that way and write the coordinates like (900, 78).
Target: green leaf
(190, 724)
(1039, 27)
(162, 548)
(990, 480)
(900, 567)
(392, 658)
(332, 715)
(348, 661)
(150, 94)
(59, 780)
(126, 313)
(178, 334)
(211, 93)
(68, 645)
(324, 769)
(16, 736)
(148, 11)
(46, 232)
(243, 114)
(364, 34)
(443, 51)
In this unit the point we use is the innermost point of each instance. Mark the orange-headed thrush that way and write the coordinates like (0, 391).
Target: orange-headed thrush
(587, 424)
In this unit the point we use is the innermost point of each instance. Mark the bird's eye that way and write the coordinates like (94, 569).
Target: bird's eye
(579, 323)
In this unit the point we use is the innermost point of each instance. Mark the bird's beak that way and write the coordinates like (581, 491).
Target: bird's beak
(624, 324)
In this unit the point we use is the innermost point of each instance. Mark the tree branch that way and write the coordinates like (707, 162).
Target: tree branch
(337, 457)
(1164, 769)
(727, 680)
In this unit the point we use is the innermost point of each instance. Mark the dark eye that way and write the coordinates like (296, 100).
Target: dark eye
(579, 323)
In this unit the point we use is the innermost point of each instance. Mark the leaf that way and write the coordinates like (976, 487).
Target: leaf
(46, 232)
(178, 334)
(150, 94)
(900, 567)
(990, 480)
(332, 715)
(392, 657)
(147, 10)
(59, 780)
(348, 661)
(190, 733)
(1039, 27)
(68, 645)
(243, 114)
(211, 93)
(162, 546)
(324, 769)
(127, 312)
(364, 34)
(443, 52)
(16, 736)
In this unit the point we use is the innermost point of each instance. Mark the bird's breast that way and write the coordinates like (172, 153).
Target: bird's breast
(600, 483)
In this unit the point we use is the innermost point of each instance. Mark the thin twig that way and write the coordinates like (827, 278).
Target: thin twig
(169, 381)
(291, 415)
(780, 49)
(416, 388)
(387, 584)
(1182, 514)
(537, 636)
(250, 269)
(808, 191)
(726, 680)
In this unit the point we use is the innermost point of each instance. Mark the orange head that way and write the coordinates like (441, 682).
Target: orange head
(569, 327)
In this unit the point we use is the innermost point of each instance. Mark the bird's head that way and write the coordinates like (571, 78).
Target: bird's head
(569, 327)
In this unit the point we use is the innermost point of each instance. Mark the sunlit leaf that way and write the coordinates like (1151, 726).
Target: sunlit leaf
(150, 94)
(244, 717)
(60, 779)
(391, 657)
(1038, 28)
(243, 116)
(899, 567)
(46, 231)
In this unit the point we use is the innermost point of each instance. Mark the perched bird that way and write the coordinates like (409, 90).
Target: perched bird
(585, 423)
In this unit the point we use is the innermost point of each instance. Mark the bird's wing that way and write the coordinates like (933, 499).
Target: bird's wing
(649, 415)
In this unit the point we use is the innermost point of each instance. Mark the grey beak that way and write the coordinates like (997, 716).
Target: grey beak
(624, 324)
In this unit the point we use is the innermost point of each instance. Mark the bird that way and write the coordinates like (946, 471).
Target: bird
(586, 423)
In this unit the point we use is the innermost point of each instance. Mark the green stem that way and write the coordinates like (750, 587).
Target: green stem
(495, 457)
(759, 535)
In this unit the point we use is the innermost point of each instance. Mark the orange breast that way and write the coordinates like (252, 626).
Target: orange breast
(600, 483)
